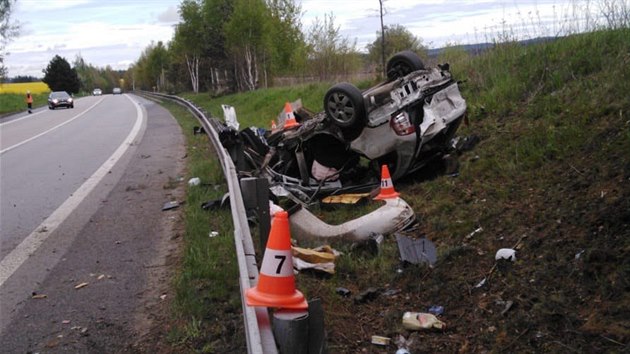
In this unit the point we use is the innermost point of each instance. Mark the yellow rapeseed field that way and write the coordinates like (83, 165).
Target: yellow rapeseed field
(22, 87)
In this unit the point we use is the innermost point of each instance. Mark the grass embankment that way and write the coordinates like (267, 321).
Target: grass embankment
(207, 308)
(550, 177)
(13, 102)
(13, 96)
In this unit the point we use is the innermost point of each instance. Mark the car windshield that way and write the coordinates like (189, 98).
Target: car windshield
(59, 95)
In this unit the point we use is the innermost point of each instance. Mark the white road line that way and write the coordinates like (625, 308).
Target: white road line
(22, 118)
(51, 129)
(32, 242)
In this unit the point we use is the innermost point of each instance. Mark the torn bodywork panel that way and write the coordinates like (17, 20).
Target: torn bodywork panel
(395, 215)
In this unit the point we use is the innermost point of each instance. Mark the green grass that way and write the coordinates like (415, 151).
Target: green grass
(551, 170)
(207, 305)
(13, 102)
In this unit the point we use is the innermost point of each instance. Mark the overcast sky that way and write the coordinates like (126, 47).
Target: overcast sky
(114, 32)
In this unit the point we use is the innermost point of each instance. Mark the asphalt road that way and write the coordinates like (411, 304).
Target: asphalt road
(84, 243)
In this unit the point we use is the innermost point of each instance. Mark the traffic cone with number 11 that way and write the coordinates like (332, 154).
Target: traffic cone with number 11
(276, 282)
(387, 186)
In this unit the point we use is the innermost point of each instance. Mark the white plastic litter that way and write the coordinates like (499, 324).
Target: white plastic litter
(506, 253)
(195, 181)
(420, 320)
(273, 208)
(229, 113)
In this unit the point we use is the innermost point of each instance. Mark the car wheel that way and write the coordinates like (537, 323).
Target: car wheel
(72, 106)
(344, 104)
(403, 63)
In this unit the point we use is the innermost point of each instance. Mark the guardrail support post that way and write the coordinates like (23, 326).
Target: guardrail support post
(256, 197)
(300, 332)
(290, 328)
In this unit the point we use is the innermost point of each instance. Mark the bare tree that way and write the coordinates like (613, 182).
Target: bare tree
(8, 30)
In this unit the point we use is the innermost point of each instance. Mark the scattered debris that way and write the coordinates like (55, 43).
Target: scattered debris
(403, 344)
(82, 285)
(367, 295)
(416, 251)
(393, 216)
(392, 292)
(343, 292)
(229, 114)
(579, 254)
(65, 322)
(467, 143)
(100, 277)
(198, 130)
(379, 340)
(506, 253)
(321, 258)
(163, 297)
(195, 181)
(481, 283)
(320, 254)
(170, 205)
(350, 198)
(508, 306)
(477, 230)
(213, 234)
(216, 203)
(39, 296)
(420, 320)
(436, 310)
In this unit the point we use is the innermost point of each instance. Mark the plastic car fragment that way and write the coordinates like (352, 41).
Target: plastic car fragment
(393, 216)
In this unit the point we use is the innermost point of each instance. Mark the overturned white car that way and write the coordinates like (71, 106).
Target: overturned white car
(403, 123)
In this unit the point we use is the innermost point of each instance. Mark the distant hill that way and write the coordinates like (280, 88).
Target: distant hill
(481, 47)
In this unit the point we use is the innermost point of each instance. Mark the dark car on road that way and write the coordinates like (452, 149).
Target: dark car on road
(60, 99)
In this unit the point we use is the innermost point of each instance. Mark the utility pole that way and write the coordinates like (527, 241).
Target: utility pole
(382, 39)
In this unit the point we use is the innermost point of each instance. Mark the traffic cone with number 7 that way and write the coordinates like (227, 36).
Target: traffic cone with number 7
(276, 282)
(387, 186)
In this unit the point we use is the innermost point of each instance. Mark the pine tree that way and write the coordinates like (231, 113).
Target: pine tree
(60, 76)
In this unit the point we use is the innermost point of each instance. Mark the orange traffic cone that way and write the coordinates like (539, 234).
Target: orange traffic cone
(387, 186)
(289, 117)
(276, 283)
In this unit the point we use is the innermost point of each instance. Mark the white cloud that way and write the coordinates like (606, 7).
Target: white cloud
(104, 33)
(114, 32)
(170, 15)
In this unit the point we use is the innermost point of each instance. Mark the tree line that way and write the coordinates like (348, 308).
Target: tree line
(242, 45)
(232, 45)
(59, 75)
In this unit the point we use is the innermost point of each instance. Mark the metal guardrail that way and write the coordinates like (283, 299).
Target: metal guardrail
(260, 339)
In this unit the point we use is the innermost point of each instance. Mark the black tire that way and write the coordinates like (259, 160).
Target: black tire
(403, 63)
(72, 106)
(344, 105)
